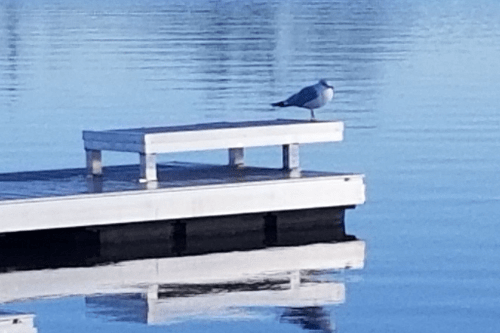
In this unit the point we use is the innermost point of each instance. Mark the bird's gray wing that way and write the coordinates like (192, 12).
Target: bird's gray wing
(305, 95)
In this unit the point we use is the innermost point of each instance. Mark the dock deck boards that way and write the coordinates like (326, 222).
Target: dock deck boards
(213, 126)
(68, 182)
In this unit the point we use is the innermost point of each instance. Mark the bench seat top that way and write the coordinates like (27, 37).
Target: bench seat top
(219, 135)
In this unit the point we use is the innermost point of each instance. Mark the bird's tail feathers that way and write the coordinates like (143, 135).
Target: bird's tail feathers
(280, 104)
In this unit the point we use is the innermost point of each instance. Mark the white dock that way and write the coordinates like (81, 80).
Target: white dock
(115, 195)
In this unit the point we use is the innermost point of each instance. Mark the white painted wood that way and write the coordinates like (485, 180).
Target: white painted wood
(115, 146)
(236, 157)
(149, 141)
(208, 139)
(291, 157)
(132, 136)
(94, 162)
(147, 167)
(183, 202)
(139, 275)
(310, 132)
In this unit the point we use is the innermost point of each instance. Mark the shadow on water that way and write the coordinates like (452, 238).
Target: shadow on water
(161, 273)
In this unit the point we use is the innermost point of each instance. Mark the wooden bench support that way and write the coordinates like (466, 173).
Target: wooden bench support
(291, 159)
(94, 162)
(148, 167)
(236, 156)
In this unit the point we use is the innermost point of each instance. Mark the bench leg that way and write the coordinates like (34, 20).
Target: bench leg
(291, 159)
(94, 162)
(94, 184)
(148, 167)
(236, 157)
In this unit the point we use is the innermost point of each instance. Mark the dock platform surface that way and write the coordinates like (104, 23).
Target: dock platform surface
(69, 198)
(71, 182)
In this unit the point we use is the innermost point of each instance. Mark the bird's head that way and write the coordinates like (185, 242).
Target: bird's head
(325, 84)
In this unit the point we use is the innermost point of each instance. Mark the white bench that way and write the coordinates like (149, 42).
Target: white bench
(234, 136)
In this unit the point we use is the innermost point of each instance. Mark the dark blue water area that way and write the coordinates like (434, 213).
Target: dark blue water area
(416, 83)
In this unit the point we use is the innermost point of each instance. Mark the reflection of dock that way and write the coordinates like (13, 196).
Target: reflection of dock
(114, 195)
(139, 276)
(137, 282)
(241, 285)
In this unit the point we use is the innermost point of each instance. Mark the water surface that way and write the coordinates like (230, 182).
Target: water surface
(416, 83)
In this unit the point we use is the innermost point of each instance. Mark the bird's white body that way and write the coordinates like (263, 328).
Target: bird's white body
(325, 95)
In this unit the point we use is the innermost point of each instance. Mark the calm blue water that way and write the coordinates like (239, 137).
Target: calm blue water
(417, 85)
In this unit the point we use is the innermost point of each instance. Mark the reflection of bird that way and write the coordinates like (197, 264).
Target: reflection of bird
(312, 318)
(311, 97)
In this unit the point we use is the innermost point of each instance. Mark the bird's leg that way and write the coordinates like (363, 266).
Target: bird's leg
(312, 115)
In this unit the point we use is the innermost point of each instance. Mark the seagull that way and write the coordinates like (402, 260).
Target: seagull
(311, 97)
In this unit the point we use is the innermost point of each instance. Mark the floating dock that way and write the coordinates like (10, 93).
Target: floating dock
(99, 195)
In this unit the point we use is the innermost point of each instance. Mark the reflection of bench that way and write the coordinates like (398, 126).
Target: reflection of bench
(225, 135)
